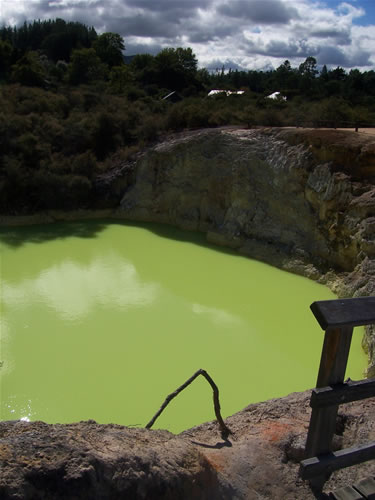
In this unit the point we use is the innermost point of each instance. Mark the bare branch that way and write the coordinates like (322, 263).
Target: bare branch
(224, 429)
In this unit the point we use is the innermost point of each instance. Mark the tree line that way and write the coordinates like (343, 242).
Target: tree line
(72, 107)
(306, 81)
(48, 53)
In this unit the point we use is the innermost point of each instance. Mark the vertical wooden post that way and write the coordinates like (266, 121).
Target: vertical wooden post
(337, 318)
(331, 371)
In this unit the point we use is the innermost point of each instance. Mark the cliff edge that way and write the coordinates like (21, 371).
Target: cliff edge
(259, 460)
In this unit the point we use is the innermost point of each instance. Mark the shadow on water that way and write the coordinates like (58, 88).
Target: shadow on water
(16, 236)
(184, 236)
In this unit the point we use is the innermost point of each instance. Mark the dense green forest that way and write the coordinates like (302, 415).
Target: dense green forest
(72, 107)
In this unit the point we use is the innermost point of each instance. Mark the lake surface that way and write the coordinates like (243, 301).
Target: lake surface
(103, 320)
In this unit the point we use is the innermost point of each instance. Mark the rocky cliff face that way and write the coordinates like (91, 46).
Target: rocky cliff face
(261, 192)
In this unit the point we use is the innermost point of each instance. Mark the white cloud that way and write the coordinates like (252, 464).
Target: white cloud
(217, 316)
(251, 34)
(12, 11)
(350, 10)
(74, 290)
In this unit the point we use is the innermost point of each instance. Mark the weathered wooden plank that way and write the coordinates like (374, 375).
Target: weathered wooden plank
(330, 462)
(344, 312)
(366, 487)
(332, 368)
(346, 493)
(337, 318)
(342, 393)
(334, 357)
(321, 430)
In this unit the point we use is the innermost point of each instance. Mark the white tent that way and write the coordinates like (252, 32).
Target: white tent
(276, 95)
(226, 92)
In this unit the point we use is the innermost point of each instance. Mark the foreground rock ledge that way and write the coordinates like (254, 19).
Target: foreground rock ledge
(259, 461)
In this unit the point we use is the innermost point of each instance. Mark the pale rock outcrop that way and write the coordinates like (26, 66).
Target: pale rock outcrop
(263, 193)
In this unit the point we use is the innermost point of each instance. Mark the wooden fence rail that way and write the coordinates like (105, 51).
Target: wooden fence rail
(337, 318)
(313, 123)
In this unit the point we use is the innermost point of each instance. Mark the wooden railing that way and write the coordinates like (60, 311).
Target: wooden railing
(356, 125)
(337, 318)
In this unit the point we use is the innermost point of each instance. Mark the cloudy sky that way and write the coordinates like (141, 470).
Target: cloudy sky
(245, 34)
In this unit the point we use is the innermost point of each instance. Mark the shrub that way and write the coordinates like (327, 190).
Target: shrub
(29, 150)
(29, 71)
(86, 67)
(270, 118)
(84, 164)
(79, 188)
(105, 136)
(135, 93)
(78, 133)
(150, 128)
(176, 118)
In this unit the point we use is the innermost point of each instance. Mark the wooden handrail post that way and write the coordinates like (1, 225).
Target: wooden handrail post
(337, 318)
(332, 368)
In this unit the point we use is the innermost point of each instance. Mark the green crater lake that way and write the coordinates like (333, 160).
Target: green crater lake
(103, 320)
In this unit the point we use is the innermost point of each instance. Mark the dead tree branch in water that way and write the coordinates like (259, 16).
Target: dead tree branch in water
(224, 429)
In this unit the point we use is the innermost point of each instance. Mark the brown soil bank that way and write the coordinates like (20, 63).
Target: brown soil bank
(260, 460)
(303, 200)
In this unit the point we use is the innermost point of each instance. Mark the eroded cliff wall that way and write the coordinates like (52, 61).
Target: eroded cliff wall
(266, 194)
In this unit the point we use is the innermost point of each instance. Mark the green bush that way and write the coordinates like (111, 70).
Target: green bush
(176, 118)
(105, 137)
(84, 164)
(86, 67)
(29, 150)
(29, 71)
(135, 93)
(79, 189)
(78, 133)
(150, 128)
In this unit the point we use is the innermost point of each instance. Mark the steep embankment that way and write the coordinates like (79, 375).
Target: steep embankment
(263, 192)
(301, 200)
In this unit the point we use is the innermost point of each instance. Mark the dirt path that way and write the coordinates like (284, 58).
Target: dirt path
(368, 131)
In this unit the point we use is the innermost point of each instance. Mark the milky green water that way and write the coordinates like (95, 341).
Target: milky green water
(103, 321)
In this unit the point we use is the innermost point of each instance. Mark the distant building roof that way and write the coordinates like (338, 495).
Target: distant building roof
(226, 92)
(169, 95)
(172, 96)
(276, 95)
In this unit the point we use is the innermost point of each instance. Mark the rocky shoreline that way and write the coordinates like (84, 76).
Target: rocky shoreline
(301, 200)
(259, 460)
